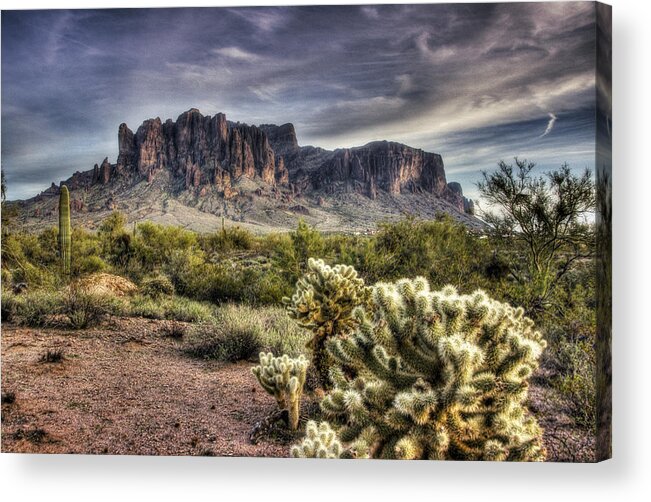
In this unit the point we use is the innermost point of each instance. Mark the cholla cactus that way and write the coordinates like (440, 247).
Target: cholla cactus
(438, 376)
(324, 301)
(284, 379)
(320, 442)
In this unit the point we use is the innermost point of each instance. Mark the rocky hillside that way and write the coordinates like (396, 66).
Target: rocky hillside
(198, 169)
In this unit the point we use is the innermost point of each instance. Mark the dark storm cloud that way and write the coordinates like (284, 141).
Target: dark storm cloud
(458, 79)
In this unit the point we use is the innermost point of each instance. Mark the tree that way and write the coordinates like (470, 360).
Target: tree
(543, 219)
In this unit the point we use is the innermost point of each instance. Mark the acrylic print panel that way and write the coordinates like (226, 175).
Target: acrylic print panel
(376, 231)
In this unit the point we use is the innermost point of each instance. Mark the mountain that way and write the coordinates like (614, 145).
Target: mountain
(198, 169)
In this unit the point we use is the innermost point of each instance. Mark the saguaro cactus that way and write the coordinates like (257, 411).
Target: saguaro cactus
(437, 375)
(320, 442)
(64, 230)
(284, 379)
(323, 302)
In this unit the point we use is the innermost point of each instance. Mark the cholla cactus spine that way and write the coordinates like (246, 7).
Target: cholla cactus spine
(439, 375)
(283, 378)
(320, 442)
(323, 302)
(65, 239)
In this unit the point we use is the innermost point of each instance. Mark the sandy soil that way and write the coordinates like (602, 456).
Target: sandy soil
(127, 388)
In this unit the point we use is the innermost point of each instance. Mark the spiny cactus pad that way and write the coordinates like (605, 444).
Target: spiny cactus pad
(283, 378)
(436, 375)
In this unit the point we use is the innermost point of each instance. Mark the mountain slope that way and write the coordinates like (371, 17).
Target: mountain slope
(198, 169)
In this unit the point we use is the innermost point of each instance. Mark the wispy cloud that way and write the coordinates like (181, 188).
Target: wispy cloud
(550, 125)
(237, 54)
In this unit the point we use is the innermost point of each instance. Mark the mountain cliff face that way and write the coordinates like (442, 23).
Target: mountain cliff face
(382, 165)
(196, 149)
(260, 175)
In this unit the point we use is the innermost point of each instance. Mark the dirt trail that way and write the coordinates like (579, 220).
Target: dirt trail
(126, 389)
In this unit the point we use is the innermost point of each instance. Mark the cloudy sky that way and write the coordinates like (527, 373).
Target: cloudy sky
(474, 82)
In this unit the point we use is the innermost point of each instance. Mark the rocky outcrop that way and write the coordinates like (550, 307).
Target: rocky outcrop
(392, 167)
(200, 150)
(465, 204)
(282, 138)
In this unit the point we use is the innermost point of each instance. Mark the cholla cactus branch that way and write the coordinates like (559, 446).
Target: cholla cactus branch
(284, 379)
(320, 442)
(323, 302)
(436, 375)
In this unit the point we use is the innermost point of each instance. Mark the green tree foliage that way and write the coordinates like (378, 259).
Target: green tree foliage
(157, 286)
(443, 251)
(305, 242)
(436, 375)
(323, 302)
(283, 378)
(65, 233)
(116, 242)
(540, 222)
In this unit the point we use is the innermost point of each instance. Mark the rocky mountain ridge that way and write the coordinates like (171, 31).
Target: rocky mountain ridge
(246, 172)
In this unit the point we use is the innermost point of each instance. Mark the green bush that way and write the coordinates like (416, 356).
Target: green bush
(157, 286)
(176, 309)
(85, 309)
(577, 381)
(183, 309)
(34, 308)
(8, 310)
(280, 333)
(227, 240)
(229, 337)
(143, 306)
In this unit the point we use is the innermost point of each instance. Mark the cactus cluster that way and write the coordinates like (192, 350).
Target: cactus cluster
(65, 233)
(283, 378)
(320, 442)
(435, 375)
(323, 302)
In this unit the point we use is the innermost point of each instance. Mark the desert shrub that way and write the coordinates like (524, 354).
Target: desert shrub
(154, 243)
(268, 288)
(233, 335)
(84, 308)
(6, 277)
(144, 306)
(183, 309)
(86, 265)
(305, 242)
(280, 333)
(36, 308)
(173, 329)
(227, 240)
(577, 382)
(435, 374)
(8, 310)
(157, 286)
(52, 356)
(443, 251)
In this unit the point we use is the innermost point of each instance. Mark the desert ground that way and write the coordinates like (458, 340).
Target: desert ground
(128, 388)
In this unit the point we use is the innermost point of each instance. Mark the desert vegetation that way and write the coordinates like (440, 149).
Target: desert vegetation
(423, 339)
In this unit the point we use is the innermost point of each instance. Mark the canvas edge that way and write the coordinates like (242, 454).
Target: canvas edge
(603, 219)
